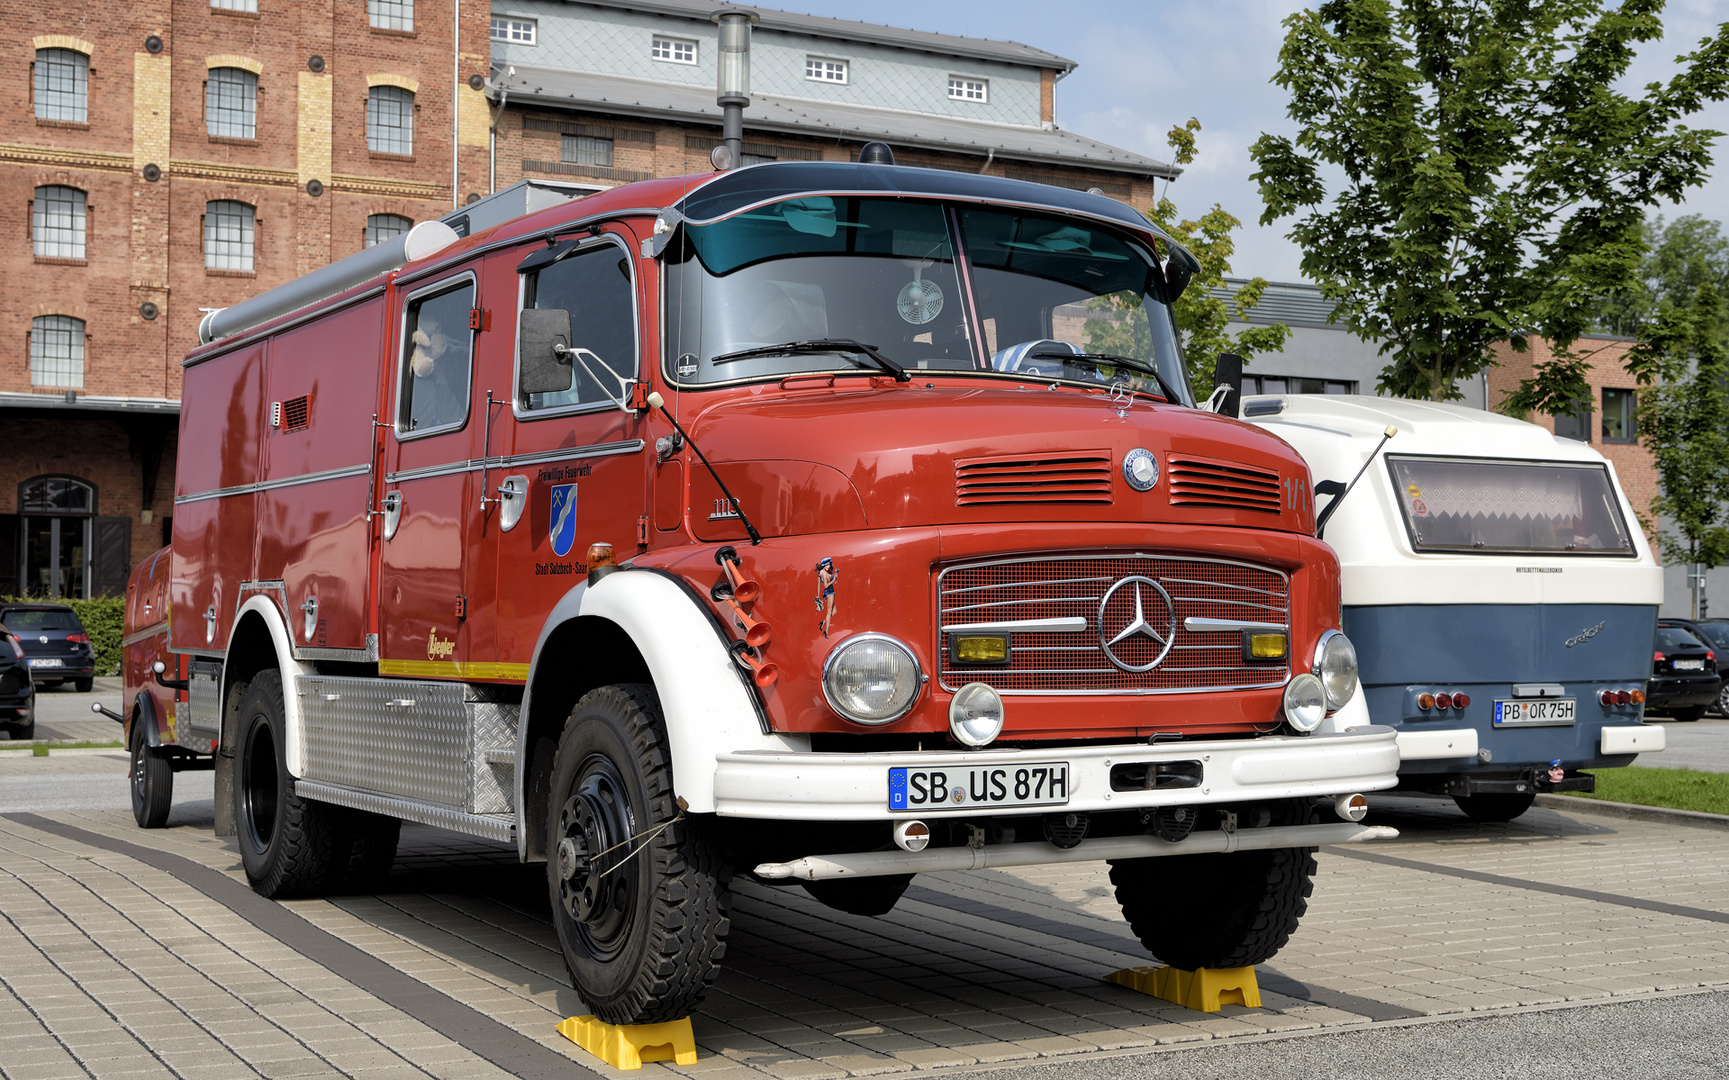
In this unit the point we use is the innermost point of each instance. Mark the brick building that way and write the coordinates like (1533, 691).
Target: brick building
(159, 157)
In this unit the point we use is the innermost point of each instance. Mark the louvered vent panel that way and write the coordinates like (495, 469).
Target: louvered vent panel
(297, 412)
(1081, 476)
(1197, 481)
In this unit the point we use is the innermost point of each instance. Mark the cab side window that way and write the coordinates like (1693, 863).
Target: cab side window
(437, 358)
(594, 286)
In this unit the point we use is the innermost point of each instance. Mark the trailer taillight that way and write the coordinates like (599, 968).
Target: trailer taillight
(1425, 701)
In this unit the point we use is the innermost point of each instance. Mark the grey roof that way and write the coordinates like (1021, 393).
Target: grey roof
(1292, 303)
(821, 26)
(677, 101)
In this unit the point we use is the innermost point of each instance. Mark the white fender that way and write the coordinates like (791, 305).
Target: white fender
(1355, 714)
(290, 668)
(707, 706)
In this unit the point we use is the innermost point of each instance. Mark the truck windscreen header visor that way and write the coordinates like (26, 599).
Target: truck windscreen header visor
(1487, 507)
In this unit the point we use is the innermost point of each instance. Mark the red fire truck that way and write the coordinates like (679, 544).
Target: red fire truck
(827, 522)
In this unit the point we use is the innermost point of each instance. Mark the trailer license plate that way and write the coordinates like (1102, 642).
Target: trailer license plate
(44, 662)
(1534, 713)
(1044, 783)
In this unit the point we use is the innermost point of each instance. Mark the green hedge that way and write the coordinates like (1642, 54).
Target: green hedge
(102, 620)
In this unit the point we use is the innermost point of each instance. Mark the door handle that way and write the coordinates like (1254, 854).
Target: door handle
(392, 513)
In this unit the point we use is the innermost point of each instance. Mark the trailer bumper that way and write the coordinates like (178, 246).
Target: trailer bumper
(1113, 776)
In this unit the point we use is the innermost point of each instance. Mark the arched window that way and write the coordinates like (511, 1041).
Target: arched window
(57, 216)
(231, 103)
(228, 235)
(57, 351)
(382, 227)
(56, 495)
(67, 552)
(389, 120)
(62, 85)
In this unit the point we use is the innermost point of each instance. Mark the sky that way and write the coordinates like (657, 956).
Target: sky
(1146, 66)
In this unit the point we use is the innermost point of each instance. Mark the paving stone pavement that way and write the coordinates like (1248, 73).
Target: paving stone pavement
(111, 965)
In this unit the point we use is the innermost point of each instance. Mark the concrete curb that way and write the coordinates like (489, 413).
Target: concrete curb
(1630, 811)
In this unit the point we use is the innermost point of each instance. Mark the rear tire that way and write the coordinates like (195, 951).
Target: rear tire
(289, 846)
(1495, 807)
(152, 781)
(1222, 910)
(861, 896)
(83, 686)
(1689, 714)
(642, 914)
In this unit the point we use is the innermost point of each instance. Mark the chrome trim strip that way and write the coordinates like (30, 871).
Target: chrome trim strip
(1196, 625)
(628, 446)
(501, 827)
(1075, 625)
(272, 485)
(150, 631)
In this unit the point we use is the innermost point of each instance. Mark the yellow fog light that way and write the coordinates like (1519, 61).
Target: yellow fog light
(1262, 646)
(981, 650)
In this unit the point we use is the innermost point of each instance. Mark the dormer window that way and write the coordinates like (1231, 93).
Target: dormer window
(673, 50)
(821, 69)
(962, 88)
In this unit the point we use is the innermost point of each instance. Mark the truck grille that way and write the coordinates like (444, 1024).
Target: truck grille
(1069, 657)
(1199, 481)
(1080, 476)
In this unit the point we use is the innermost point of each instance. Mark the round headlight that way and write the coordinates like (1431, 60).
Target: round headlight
(871, 679)
(1336, 664)
(976, 714)
(1305, 702)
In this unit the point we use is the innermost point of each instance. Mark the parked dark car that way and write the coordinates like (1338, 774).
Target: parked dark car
(1714, 633)
(17, 689)
(1684, 679)
(54, 642)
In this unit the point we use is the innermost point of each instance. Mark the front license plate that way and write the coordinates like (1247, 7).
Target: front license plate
(1044, 783)
(1689, 665)
(44, 662)
(1535, 713)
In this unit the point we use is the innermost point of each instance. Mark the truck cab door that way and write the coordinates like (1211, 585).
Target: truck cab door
(576, 456)
(429, 497)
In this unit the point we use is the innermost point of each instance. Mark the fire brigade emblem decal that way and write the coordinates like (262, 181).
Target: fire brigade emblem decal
(1139, 621)
(563, 518)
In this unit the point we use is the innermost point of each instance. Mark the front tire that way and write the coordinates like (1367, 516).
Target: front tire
(152, 778)
(1219, 910)
(288, 845)
(639, 897)
(1495, 807)
(83, 686)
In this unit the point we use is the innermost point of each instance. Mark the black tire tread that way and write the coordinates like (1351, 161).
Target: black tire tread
(311, 837)
(689, 918)
(151, 812)
(1253, 899)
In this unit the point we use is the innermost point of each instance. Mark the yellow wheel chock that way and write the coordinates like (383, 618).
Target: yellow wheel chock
(1203, 989)
(627, 1046)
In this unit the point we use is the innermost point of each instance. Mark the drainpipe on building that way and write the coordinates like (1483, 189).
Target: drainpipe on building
(732, 79)
(455, 109)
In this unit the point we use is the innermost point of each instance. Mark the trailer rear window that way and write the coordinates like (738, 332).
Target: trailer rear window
(1486, 507)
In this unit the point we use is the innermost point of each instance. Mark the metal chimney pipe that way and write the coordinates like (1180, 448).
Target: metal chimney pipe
(732, 77)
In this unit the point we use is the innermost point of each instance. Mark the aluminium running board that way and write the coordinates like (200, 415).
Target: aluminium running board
(933, 860)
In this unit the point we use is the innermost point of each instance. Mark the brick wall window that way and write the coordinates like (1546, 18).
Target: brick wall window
(391, 15)
(228, 235)
(585, 150)
(965, 89)
(818, 69)
(62, 85)
(382, 227)
(57, 222)
(389, 120)
(514, 30)
(673, 50)
(249, 7)
(1620, 416)
(57, 351)
(1575, 425)
(231, 104)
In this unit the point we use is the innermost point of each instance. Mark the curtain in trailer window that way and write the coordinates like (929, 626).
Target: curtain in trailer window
(1492, 507)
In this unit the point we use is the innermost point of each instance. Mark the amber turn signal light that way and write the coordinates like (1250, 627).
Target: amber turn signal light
(601, 561)
(1425, 701)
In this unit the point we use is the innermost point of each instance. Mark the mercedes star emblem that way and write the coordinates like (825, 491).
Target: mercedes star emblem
(1154, 618)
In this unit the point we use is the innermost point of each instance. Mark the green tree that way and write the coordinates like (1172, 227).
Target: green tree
(1684, 422)
(1199, 315)
(1493, 182)
(1683, 256)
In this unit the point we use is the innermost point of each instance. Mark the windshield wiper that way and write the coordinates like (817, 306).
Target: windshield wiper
(1097, 359)
(818, 345)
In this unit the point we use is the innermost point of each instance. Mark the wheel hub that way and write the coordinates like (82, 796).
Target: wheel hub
(595, 888)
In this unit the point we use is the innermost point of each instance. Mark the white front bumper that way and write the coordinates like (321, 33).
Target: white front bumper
(854, 787)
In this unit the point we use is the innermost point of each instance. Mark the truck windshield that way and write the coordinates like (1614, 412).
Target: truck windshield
(1055, 298)
(1486, 507)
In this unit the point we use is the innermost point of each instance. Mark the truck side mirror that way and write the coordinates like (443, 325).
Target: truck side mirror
(1228, 372)
(543, 351)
